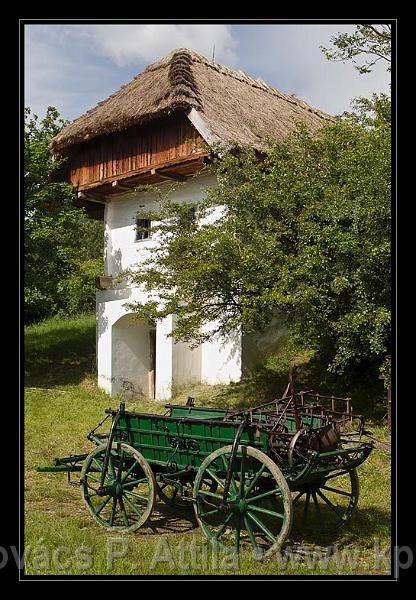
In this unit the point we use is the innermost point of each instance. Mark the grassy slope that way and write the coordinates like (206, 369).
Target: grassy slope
(61, 537)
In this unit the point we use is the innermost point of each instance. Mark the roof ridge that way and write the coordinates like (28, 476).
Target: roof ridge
(165, 61)
(239, 75)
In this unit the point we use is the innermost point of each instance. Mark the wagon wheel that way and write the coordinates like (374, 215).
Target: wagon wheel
(328, 503)
(126, 500)
(176, 498)
(258, 508)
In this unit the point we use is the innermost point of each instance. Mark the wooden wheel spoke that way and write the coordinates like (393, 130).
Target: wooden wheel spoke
(98, 464)
(93, 477)
(335, 475)
(315, 502)
(266, 511)
(223, 526)
(113, 512)
(215, 478)
(262, 526)
(123, 512)
(128, 472)
(250, 534)
(274, 492)
(297, 497)
(135, 495)
(255, 479)
(329, 503)
(210, 512)
(210, 494)
(224, 462)
(133, 506)
(120, 464)
(102, 505)
(305, 508)
(237, 534)
(134, 482)
(336, 491)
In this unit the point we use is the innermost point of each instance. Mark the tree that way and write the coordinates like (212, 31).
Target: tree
(58, 237)
(304, 232)
(368, 45)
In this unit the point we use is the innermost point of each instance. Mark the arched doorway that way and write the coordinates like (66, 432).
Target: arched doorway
(133, 358)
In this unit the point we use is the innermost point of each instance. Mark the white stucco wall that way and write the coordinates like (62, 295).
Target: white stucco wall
(122, 344)
(221, 359)
(176, 363)
(121, 251)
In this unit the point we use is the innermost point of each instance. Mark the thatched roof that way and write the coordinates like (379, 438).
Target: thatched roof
(225, 106)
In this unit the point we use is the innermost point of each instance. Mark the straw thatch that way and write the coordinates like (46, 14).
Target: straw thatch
(225, 105)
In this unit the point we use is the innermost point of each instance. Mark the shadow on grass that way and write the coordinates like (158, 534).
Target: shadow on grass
(365, 523)
(167, 519)
(60, 352)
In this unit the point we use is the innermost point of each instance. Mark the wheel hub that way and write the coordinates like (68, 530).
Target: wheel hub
(237, 506)
(115, 489)
(311, 487)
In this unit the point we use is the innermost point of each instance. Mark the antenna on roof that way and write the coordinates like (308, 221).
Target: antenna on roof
(213, 53)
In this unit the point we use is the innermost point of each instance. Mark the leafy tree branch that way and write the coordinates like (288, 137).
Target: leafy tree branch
(369, 43)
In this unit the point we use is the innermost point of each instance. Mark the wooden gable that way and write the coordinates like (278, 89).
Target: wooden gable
(132, 153)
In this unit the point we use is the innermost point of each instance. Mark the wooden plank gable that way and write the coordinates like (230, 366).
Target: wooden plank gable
(159, 142)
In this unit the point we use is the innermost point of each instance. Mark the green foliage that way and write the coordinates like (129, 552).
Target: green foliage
(58, 236)
(77, 291)
(305, 232)
(374, 112)
(385, 371)
(370, 43)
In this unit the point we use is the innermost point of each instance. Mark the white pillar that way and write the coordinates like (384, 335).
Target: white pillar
(164, 359)
(103, 334)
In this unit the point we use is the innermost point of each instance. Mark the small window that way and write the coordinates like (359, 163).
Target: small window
(142, 229)
(193, 215)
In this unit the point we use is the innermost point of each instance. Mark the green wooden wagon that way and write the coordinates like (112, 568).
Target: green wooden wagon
(245, 474)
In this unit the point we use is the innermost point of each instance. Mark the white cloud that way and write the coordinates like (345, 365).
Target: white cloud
(289, 58)
(73, 67)
(126, 44)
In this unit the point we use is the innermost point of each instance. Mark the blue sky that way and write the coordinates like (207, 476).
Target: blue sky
(72, 67)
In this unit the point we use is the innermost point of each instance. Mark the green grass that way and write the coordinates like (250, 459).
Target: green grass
(63, 402)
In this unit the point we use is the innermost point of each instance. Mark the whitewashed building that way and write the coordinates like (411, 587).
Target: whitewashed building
(157, 129)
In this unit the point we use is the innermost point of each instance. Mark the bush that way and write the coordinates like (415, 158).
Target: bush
(77, 291)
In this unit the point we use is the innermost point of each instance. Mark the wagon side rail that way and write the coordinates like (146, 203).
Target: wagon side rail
(322, 463)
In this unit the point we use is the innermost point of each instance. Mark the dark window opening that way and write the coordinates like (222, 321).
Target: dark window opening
(142, 229)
